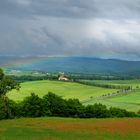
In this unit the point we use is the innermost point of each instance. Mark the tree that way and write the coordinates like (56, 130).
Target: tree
(97, 111)
(32, 106)
(54, 105)
(6, 85)
(74, 108)
(117, 112)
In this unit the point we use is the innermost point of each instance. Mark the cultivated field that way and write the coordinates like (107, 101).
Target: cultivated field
(64, 89)
(86, 94)
(70, 129)
(129, 101)
(124, 102)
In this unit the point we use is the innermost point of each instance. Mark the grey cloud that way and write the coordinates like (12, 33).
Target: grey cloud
(106, 28)
(87, 9)
(73, 8)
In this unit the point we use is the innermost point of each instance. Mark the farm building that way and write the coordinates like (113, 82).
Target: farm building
(62, 77)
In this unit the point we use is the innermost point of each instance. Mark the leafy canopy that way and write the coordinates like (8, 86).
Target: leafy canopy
(7, 84)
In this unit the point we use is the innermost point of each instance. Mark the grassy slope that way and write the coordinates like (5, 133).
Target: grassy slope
(109, 103)
(64, 89)
(133, 98)
(70, 129)
(130, 102)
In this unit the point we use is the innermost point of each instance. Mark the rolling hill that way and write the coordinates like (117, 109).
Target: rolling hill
(86, 94)
(64, 89)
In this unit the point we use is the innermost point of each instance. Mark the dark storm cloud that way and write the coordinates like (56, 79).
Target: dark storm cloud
(88, 8)
(105, 28)
(72, 8)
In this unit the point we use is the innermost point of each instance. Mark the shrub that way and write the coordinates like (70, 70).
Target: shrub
(117, 112)
(32, 106)
(54, 105)
(74, 108)
(96, 111)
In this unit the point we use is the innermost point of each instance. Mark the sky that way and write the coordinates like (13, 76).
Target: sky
(97, 28)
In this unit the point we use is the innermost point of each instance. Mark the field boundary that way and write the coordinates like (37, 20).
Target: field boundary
(105, 96)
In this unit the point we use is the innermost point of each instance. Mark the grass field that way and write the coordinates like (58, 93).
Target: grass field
(70, 129)
(64, 89)
(67, 90)
(130, 102)
(123, 105)
(133, 98)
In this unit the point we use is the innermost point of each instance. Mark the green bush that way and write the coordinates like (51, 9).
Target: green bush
(54, 105)
(97, 111)
(32, 106)
(74, 108)
(117, 112)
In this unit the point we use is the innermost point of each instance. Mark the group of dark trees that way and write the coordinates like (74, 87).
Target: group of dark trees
(70, 76)
(26, 78)
(53, 105)
(111, 86)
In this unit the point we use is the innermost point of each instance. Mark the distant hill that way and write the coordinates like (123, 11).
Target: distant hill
(85, 65)
(6, 61)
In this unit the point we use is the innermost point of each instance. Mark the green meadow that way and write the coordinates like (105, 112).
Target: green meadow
(64, 89)
(67, 90)
(115, 102)
(130, 101)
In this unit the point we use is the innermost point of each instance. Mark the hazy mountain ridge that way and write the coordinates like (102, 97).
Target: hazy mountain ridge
(86, 65)
(13, 60)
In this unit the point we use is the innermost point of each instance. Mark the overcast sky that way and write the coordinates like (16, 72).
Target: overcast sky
(98, 28)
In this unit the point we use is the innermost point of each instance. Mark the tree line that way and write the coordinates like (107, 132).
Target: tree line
(70, 76)
(26, 78)
(54, 105)
(111, 86)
